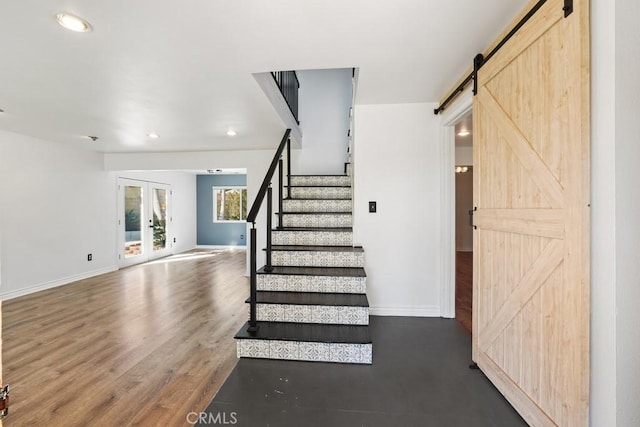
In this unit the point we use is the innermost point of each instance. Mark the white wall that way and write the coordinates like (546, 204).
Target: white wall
(324, 102)
(398, 165)
(603, 227)
(615, 338)
(183, 204)
(627, 177)
(58, 206)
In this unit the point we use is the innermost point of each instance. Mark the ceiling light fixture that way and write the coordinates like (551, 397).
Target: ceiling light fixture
(464, 132)
(153, 135)
(73, 23)
(231, 132)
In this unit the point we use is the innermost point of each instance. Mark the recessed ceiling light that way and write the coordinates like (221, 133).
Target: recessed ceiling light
(231, 132)
(464, 132)
(73, 23)
(153, 135)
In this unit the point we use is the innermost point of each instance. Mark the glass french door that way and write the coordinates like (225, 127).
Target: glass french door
(143, 221)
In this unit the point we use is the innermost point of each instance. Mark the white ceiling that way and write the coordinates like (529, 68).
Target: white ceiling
(184, 69)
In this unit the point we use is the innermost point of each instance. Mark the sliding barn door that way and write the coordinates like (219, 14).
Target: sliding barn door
(531, 246)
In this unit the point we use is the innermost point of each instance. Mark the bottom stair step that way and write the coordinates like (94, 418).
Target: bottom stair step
(306, 342)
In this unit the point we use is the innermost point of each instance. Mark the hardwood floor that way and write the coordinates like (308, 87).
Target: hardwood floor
(464, 288)
(145, 345)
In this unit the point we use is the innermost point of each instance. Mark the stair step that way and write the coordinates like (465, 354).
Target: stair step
(317, 256)
(317, 219)
(309, 192)
(320, 180)
(313, 279)
(312, 298)
(307, 342)
(316, 205)
(309, 307)
(316, 271)
(294, 248)
(312, 236)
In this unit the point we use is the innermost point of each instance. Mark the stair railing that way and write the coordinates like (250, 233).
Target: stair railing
(265, 190)
(289, 85)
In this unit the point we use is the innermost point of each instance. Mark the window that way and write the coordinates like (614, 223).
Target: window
(229, 204)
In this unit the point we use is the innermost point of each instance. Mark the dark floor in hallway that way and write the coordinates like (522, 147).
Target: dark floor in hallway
(419, 377)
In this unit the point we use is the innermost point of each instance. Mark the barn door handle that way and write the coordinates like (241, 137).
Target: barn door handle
(471, 211)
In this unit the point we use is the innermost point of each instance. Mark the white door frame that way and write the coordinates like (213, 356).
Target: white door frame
(448, 119)
(148, 253)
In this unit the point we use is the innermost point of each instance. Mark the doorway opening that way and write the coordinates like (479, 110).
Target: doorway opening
(464, 221)
(143, 221)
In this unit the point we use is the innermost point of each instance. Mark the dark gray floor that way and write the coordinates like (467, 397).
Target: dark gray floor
(419, 377)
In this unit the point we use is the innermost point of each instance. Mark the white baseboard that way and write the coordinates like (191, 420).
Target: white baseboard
(409, 311)
(55, 283)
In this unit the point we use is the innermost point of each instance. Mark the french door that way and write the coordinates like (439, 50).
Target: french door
(143, 221)
(531, 190)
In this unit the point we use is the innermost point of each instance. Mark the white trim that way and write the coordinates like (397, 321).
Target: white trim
(406, 310)
(56, 283)
(449, 117)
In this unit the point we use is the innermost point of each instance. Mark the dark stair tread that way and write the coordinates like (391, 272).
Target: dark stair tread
(311, 298)
(316, 271)
(317, 248)
(307, 332)
(314, 199)
(338, 229)
(318, 186)
(324, 199)
(342, 174)
(315, 213)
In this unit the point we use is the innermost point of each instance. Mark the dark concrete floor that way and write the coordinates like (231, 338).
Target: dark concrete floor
(419, 377)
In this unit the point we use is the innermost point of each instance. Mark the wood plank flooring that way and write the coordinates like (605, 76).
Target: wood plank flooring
(144, 346)
(464, 288)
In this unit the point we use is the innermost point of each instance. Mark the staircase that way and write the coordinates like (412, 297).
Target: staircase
(312, 306)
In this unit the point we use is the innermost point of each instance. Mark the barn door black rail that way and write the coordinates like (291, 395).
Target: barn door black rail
(289, 85)
(266, 190)
(479, 60)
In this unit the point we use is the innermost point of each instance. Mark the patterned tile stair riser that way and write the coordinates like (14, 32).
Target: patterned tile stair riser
(329, 181)
(310, 238)
(307, 283)
(317, 259)
(293, 205)
(305, 351)
(313, 220)
(340, 193)
(313, 314)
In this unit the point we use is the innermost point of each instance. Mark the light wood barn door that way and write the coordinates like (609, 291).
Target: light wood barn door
(531, 245)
